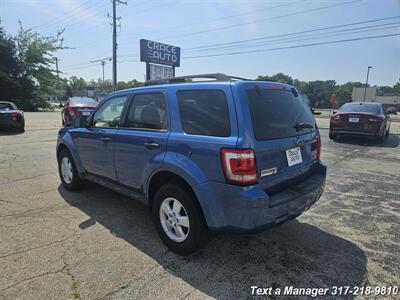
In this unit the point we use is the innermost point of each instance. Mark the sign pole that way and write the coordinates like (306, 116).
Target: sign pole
(147, 71)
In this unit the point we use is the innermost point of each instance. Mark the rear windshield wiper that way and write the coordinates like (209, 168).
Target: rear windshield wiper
(300, 126)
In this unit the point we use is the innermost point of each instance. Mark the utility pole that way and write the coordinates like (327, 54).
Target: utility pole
(114, 56)
(102, 65)
(103, 62)
(366, 82)
(58, 77)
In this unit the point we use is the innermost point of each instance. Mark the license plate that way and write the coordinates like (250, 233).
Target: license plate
(354, 120)
(294, 156)
(86, 113)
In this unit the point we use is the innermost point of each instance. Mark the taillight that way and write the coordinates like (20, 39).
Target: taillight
(374, 119)
(72, 111)
(336, 117)
(14, 113)
(239, 166)
(319, 147)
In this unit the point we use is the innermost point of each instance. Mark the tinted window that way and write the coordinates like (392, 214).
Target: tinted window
(274, 114)
(5, 107)
(148, 111)
(83, 101)
(204, 112)
(109, 113)
(360, 107)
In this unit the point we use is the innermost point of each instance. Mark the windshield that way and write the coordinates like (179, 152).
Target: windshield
(360, 107)
(274, 114)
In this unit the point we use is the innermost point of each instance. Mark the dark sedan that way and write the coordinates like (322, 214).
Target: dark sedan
(367, 119)
(11, 116)
(77, 106)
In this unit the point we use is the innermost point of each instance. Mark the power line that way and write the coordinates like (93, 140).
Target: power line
(307, 37)
(63, 16)
(241, 42)
(292, 47)
(295, 33)
(260, 20)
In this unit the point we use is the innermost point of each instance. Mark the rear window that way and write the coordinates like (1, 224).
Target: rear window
(204, 112)
(83, 101)
(5, 107)
(274, 114)
(357, 107)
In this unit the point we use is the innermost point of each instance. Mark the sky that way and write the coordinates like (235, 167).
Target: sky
(247, 31)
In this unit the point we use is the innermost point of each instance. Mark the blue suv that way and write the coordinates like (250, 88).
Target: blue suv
(226, 154)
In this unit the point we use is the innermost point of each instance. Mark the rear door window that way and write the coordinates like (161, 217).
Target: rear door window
(204, 112)
(147, 111)
(275, 113)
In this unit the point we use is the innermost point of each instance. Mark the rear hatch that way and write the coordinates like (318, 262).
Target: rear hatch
(284, 135)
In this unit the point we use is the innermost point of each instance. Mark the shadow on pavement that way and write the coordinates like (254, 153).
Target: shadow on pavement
(294, 254)
(392, 141)
(5, 132)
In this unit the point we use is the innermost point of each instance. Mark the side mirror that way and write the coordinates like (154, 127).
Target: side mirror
(80, 122)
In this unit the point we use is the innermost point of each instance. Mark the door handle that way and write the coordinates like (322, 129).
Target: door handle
(151, 145)
(105, 139)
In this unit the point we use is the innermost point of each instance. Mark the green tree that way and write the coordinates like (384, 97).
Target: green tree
(27, 76)
(320, 92)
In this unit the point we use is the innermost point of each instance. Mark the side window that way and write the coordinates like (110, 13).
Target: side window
(147, 111)
(109, 114)
(204, 112)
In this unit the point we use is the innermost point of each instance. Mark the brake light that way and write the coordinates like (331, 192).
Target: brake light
(373, 119)
(336, 117)
(319, 147)
(14, 113)
(239, 166)
(72, 111)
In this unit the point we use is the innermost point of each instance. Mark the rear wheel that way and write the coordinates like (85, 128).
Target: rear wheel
(332, 136)
(380, 139)
(179, 220)
(68, 173)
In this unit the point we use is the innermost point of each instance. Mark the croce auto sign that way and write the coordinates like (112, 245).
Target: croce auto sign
(158, 53)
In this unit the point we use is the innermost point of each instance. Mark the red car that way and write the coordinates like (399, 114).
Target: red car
(77, 106)
(367, 119)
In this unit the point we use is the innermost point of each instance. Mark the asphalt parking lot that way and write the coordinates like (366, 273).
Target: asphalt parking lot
(97, 244)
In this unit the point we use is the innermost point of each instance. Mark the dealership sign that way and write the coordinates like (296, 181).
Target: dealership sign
(158, 53)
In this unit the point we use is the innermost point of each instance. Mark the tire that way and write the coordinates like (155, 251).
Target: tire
(332, 136)
(381, 139)
(75, 183)
(195, 235)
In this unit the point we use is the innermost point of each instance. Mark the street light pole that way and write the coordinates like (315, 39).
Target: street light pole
(102, 64)
(366, 82)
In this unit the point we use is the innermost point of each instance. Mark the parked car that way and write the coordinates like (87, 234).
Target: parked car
(227, 155)
(366, 119)
(77, 106)
(11, 116)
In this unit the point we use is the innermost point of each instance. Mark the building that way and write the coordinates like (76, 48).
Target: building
(372, 95)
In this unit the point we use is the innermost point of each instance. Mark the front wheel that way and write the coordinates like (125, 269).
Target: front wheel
(179, 220)
(68, 173)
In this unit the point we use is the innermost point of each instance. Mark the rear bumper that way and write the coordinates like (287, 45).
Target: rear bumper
(249, 209)
(354, 133)
(9, 123)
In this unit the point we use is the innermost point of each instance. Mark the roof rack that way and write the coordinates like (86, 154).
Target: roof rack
(182, 79)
